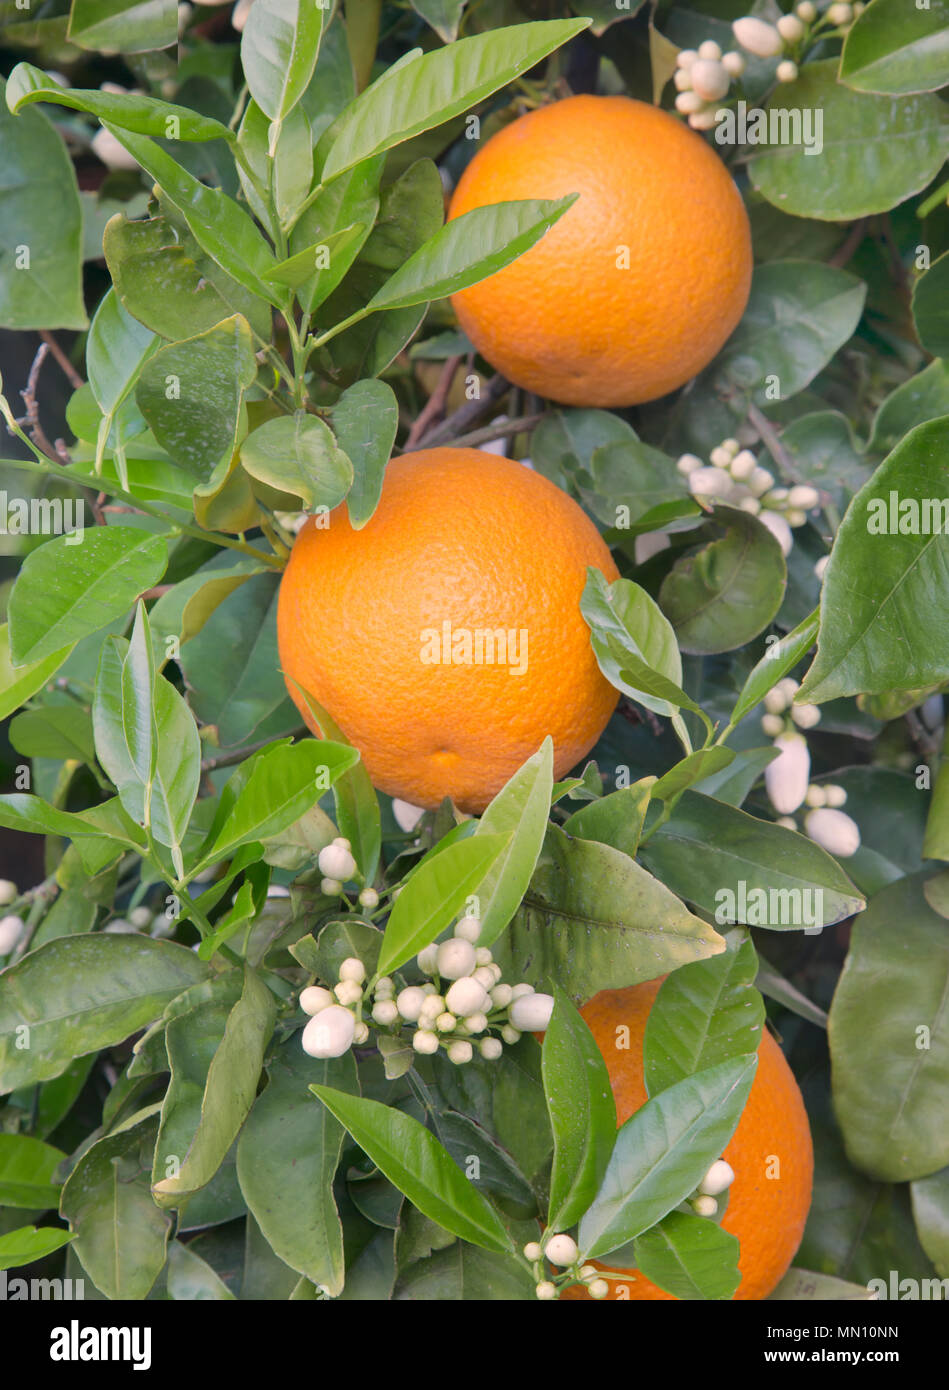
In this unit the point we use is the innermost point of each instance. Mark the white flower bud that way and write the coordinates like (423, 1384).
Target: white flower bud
(790, 28)
(772, 725)
(834, 831)
(840, 15)
(816, 796)
(501, 996)
(750, 505)
(348, 992)
(510, 1035)
(361, 1032)
(704, 1206)
(466, 996)
(455, 958)
(733, 63)
(546, 1291)
(314, 998)
(820, 568)
(385, 1011)
(776, 498)
(409, 1003)
(598, 1288)
(485, 977)
(490, 1048)
(468, 928)
(779, 528)
(531, 1013)
(460, 1052)
(803, 496)
(428, 988)
(432, 1006)
(786, 822)
(761, 481)
(807, 11)
(681, 80)
(775, 702)
(331, 887)
(836, 796)
(336, 862)
(795, 517)
(330, 1033)
(709, 79)
(10, 929)
(688, 103)
(719, 1177)
(9, 894)
(757, 37)
(704, 120)
(709, 49)
(688, 463)
(686, 57)
(352, 968)
(428, 959)
(476, 1023)
(406, 815)
(532, 1251)
(561, 1250)
(112, 153)
(805, 716)
(731, 446)
(786, 71)
(519, 991)
(788, 776)
(119, 927)
(720, 457)
(425, 1042)
(743, 465)
(788, 687)
(711, 482)
(385, 987)
(445, 1022)
(369, 899)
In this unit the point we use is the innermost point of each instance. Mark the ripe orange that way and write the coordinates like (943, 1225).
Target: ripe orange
(463, 543)
(639, 284)
(767, 1214)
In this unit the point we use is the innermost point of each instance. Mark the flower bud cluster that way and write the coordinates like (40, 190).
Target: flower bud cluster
(733, 476)
(702, 79)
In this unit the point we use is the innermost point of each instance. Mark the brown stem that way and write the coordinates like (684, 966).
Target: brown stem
(238, 756)
(466, 414)
(435, 406)
(75, 380)
(501, 429)
(849, 245)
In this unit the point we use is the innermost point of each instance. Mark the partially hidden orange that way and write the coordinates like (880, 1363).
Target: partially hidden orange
(639, 284)
(445, 637)
(770, 1151)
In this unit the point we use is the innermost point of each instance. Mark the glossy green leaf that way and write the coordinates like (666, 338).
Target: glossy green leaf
(724, 593)
(931, 1213)
(435, 893)
(462, 1272)
(801, 1285)
(931, 306)
(644, 643)
(616, 819)
(116, 350)
(66, 591)
(191, 1279)
(889, 1037)
(191, 393)
(704, 762)
(18, 683)
(779, 658)
(663, 1151)
(40, 226)
(519, 811)
(594, 919)
(123, 26)
(80, 994)
(922, 397)
(339, 941)
(120, 1236)
(365, 420)
(417, 1164)
(54, 731)
(279, 48)
(131, 110)
(27, 1172)
(744, 869)
(443, 15)
(345, 203)
(430, 89)
(690, 1257)
(298, 454)
(876, 151)
(883, 626)
(897, 49)
(582, 1113)
(27, 1244)
(706, 1013)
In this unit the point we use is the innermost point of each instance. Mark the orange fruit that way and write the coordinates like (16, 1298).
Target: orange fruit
(766, 1213)
(382, 626)
(641, 281)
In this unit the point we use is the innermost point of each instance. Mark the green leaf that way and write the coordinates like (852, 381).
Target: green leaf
(219, 225)
(463, 1273)
(21, 811)
(123, 26)
(80, 994)
(365, 420)
(594, 919)
(443, 15)
(27, 1172)
(116, 350)
(417, 1164)
(119, 1234)
(889, 1037)
(800, 1285)
(131, 110)
(749, 870)
(690, 1257)
(634, 643)
(897, 50)
(191, 1279)
(882, 624)
(582, 1113)
(616, 819)
(779, 658)
(279, 48)
(823, 450)
(54, 731)
(724, 593)
(191, 393)
(519, 811)
(339, 941)
(345, 203)
(663, 1151)
(66, 591)
(922, 397)
(629, 474)
(435, 893)
(40, 226)
(706, 1013)
(695, 767)
(430, 89)
(298, 454)
(229, 1093)
(242, 910)
(285, 782)
(930, 314)
(27, 1244)
(469, 249)
(296, 270)
(931, 1214)
(876, 151)
(18, 683)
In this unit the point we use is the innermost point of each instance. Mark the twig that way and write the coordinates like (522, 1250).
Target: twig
(75, 380)
(501, 429)
(771, 437)
(466, 414)
(239, 754)
(32, 419)
(849, 245)
(435, 406)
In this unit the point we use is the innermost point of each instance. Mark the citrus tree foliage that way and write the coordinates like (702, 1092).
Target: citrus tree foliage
(250, 304)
